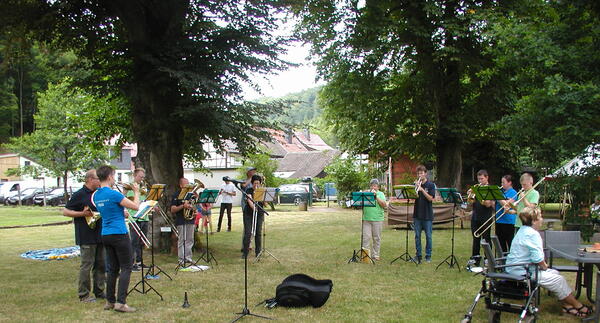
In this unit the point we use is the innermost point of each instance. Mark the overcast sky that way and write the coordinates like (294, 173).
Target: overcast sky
(293, 80)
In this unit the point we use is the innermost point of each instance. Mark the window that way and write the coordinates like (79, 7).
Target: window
(27, 163)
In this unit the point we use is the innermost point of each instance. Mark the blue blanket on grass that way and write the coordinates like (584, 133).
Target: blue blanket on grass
(52, 254)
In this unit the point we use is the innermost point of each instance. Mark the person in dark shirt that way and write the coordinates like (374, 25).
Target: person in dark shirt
(89, 240)
(423, 213)
(184, 227)
(249, 211)
(482, 212)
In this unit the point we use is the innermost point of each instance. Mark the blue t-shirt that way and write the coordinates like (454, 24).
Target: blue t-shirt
(108, 204)
(507, 217)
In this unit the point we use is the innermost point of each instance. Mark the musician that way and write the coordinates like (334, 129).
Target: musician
(89, 240)
(372, 220)
(505, 219)
(531, 196)
(184, 227)
(527, 247)
(423, 213)
(256, 182)
(139, 174)
(482, 212)
(250, 172)
(115, 237)
(227, 192)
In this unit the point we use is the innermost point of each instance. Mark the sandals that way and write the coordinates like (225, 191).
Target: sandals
(582, 311)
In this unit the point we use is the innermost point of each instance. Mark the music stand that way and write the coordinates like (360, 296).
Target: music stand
(265, 195)
(406, 192)
(155, 193)
(145, 208)
(207, 196)
(246, 311)
(451, 195)
(488, 192)
(362, 200)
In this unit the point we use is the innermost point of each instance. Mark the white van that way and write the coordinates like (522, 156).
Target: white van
(8, 189)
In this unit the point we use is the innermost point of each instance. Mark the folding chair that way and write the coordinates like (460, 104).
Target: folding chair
(505, 292)
(565, 237)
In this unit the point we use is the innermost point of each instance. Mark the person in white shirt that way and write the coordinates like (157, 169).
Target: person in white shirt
(227, 193)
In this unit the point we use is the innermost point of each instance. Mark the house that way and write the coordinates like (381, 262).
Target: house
(14, 160)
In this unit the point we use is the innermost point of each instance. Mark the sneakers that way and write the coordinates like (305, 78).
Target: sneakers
(124, 308)
(428, 260)
(109, 306)
(87, 299)
(101, 296)
(136, 268)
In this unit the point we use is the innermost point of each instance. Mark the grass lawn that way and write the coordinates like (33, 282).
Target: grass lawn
(317, 243)
(30, 215)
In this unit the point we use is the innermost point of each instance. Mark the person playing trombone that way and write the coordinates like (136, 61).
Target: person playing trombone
(482, 212)
(139, 174)
(528, 196)
(505, 215)
(111, 204)
(423, 213)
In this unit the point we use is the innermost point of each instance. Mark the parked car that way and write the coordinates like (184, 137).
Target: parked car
(54, 198)
(9, 189)
(26, 196)
(293, 193)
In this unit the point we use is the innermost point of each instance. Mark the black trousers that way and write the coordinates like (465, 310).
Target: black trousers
(136, 242)
(475, 224)
(118, 251)
(225, 206)
(248, 231)
(505, 233)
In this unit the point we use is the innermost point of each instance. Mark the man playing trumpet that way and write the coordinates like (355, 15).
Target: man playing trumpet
(423, 213)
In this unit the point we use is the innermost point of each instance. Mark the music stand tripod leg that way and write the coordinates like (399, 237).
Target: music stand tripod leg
(143, 282)
(151, 270)
(406, 256)
(264, 244)
(451, 260)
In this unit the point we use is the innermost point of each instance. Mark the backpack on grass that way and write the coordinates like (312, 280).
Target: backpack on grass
(301, 290)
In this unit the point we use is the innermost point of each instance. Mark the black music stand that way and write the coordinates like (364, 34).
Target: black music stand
(362, 200)
(155, 193)
(207, 196)
(407, 192)
(488, 192)
(451, 195)
(246, 311)
(185, 194)
(265, 195)
(146, 208)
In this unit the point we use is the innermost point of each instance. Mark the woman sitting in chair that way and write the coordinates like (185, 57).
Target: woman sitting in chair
(527, 247)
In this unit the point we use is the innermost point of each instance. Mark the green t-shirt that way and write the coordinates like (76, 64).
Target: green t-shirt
(374, 213)
(532, 197)
(132, 212)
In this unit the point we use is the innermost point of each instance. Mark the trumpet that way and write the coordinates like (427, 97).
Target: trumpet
(471, 194)
(418, 184)
(489, 222)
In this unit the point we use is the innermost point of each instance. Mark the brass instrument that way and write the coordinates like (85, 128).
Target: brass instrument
(489, 222)
(189, 214)
(471, 194)
(418, 184)
(140, 233)
(91, 220)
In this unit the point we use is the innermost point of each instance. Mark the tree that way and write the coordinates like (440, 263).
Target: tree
(60, 143)
(348, 175)
(551, 48)
(179, 65)
(406, 76)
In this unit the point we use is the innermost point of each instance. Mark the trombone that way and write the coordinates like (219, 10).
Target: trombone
(140, 233)
(488, 223)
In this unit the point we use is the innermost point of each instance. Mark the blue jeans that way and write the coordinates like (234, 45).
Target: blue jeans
(427, 226)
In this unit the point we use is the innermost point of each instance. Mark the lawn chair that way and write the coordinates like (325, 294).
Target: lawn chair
(565, 237)
(504, 292)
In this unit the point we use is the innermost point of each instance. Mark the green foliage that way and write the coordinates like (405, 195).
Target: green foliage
(348, 175)
(61, 143)
(407, 77)
(264, 165)
(551, 49)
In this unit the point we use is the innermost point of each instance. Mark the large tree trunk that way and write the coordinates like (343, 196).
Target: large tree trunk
(449, 162)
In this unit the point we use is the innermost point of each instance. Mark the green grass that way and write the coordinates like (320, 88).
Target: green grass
(317, 243)
(30, 215)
